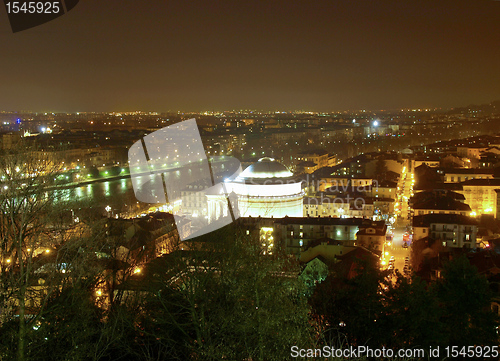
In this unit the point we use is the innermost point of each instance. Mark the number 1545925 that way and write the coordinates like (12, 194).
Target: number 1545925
(33, 7)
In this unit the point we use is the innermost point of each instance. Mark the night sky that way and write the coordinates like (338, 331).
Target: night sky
(123, 55)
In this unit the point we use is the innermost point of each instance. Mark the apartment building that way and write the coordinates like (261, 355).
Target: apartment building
(480, 195)
(453, 230)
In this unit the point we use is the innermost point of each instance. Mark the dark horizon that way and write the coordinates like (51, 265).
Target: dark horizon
(124, 56)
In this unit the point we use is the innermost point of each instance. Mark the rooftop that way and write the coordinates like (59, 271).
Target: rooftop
(435, 218)
(467, 170)
(482, 182)
(320, 221)
(313, 152)
(443, 203)
(265, 168)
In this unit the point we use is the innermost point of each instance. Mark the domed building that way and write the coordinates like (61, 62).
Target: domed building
(265, 188)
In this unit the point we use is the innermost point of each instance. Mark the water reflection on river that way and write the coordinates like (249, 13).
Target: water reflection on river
(118, 194)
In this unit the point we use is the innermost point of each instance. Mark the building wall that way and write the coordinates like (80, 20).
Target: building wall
(276, 207)
(481, 199)
(259, 200)
(194, 201)
(420, 232)
(372, 242)
(457, 177)
(470, 152)
(328, 251)
(419, 212)
(452, 235)
(383, 192)
(430, 163)
(295, 237)
(10, 140)
(385, 206)
(391, 164)
(336, 207)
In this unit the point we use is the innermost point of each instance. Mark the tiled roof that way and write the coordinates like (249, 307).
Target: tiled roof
(428, 219)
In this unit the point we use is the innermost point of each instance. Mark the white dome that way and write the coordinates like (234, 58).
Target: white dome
(266, 189)
(266, 168)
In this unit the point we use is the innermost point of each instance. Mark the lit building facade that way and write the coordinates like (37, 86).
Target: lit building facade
(481, 196)
(453, 230)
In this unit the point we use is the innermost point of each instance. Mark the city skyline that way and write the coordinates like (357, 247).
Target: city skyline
(336, 56)
(204, 112)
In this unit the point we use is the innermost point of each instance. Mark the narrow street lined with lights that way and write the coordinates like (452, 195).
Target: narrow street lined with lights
(405, 192)
(394, 249)
(397, 250)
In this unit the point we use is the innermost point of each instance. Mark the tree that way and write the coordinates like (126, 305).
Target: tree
(94, 172)
(70, 327)
(231, 301)
(412, 314)
(350, 309)
(40, 240)
(464, 296)
(72, 323)
(27, 212)
(314, 273)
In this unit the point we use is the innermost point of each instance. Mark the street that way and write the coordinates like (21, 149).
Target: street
(396, 249)
(404, 193)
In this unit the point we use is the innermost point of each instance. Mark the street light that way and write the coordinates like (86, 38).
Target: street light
(108, 209)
